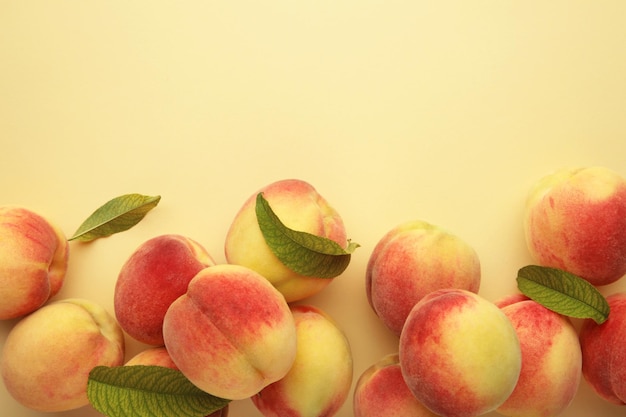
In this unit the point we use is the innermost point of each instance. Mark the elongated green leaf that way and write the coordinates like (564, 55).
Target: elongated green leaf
(563, 292)
(302, 252)
(143, 390)
(116, 215)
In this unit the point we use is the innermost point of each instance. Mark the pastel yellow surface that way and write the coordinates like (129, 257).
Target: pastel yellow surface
(394, 110)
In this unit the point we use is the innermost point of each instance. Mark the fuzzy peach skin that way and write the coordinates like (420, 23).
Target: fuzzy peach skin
(412, 260)
(300, 207)
(459, 354)
(232, 333)
(319, 381)
(155, 275)
(33, 261)
(158, 356)
(381, 391)
(551, 360)
(604, 352)
(575, 220)
(48, 355)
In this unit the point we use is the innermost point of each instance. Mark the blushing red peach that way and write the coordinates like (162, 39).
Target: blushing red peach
(412, 260)
(575, 220)
(48, 355)
(155, 275)
(319, 381)
(459, 354)
(232, 333)
(158, 356)
(300, 207)
(381, 391)
(604, 352)
(551, 360)
(33, 261)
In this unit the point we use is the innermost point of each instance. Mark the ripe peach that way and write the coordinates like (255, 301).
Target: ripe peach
(459, 354)
(48, 355)
(604, 352)
(412, 260)
(551, 360)
(155, 275)
(575, 219)
(319, 381)
(232, 333)
(158, 356)
(33, 261)
(300, 207)
(381, 392)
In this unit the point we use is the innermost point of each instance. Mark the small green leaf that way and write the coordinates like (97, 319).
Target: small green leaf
(302, 252)
(563, 292)
(143, 390)
(116, 215)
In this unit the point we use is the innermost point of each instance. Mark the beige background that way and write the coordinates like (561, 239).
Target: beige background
(394, 110)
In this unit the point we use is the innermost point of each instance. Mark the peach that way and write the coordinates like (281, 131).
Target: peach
(551, 360)
(319, 381)
(300, 207)
(412, 260)
(604, 352)
(231, 333)
(575, 220)
(33, 261)
(459, 353)
(158, 356)
(381, 391)
(155, 275)
(48, 355)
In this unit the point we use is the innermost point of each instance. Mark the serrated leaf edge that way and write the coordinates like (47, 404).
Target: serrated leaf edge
(82, 231)
(600, 316)
(299, 237)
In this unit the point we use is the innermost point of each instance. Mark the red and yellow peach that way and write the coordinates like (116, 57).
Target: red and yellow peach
(575, 220)
(459, 354)
(33, 261)
(319, 381)
(604, 352)
(48, 355)
(155, 275)
(299, 206)
(412, 260)
(232, 333)
(551, 360)
(381, 391)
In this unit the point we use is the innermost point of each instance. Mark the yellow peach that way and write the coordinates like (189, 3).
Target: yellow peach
(459, 354)
(300, 207)
(48, 355)
(319, 381)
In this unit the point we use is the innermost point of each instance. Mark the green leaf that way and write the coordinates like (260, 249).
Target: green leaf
(304, 253)
(116, 215)
(563, 292)
(144, 390)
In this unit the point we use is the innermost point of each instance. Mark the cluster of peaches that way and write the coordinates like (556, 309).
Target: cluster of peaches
(236, 332)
